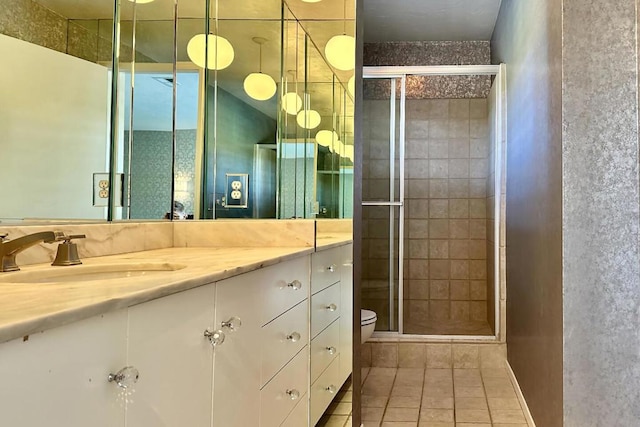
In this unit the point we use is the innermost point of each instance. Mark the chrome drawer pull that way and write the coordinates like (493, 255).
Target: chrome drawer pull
(331, 307)
(293, 337)
(215, 337)
(331, 350)
(332, 389)
(293, 394)
(232, 325)
(125, 377)
(295, 285)
(331, 268)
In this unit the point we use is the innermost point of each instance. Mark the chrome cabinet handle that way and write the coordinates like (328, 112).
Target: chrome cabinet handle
(295, 285)
(215, 337)
(331, 389)
(293, 337)
(232, 325)
(331, 307)
(293, 394)
(331, 268)
(125, 377)
(331, 350)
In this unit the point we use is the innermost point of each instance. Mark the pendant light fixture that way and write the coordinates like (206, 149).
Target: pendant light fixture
(326, 138)
(260, 86)
(308, 118)
(210, 50)
(291, 101)
(341, 49)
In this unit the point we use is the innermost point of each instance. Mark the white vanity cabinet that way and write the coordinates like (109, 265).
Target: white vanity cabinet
(167, 345)
(260, 370)
(59, 377)
(331, 304)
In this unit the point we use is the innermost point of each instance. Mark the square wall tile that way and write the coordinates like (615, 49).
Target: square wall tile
(438, 209)
(459, 208)
(466, 356)
(460, 128)
(439, 269)
(438, 249)
(459, 148)
(459, 108)
(459, 188)
(478, 290)
(459, 269)
(459, 249)
(438, 148)
(418, 289)
(438, 188)
(460, 310)
(439, 289)
(478, 311)
(418, 269)
(459, 229)
(459, 290)
(438, 128)
(439, 310)
(459, 168)
(439, 356)
(439, 228)
(384, 355)
(411, 355)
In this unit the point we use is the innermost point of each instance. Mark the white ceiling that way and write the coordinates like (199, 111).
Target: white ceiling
(429, 20)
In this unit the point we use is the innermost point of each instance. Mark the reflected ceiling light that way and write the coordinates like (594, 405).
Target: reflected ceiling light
(308, 119)
(220, 51)
(291, 103)
(349, 152)
(341, 52)
(337, 147)
(351, 85)
(326, 137)
(260, 86)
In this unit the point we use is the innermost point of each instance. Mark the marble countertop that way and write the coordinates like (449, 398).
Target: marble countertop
(332, 239)
(27, 308)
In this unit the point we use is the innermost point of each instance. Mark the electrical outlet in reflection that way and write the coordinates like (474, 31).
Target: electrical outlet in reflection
(237, 190)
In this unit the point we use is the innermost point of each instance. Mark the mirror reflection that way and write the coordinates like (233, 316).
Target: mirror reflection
(265, 132)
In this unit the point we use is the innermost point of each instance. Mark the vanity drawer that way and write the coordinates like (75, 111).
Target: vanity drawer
(325, 269)
(325, 308)
(300, 414)
(284, 391)
(283, 286)
(283, 338)
(323, 391)
(324, 348)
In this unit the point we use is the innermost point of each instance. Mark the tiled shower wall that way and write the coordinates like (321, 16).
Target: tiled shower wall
(447, 167)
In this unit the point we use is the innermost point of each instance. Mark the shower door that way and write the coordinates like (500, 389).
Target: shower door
(383, 200)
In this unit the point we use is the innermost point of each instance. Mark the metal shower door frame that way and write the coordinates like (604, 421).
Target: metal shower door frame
(401, 72)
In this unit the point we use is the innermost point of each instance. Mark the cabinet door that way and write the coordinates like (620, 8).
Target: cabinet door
(236, 377)
(175, 360)
(346, 313)
(59, 377)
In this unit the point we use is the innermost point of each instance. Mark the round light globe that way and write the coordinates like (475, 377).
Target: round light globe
(308, 119)
(220, 51)
(326, 137)
(291, 103)
(341, 52)
(260, 86)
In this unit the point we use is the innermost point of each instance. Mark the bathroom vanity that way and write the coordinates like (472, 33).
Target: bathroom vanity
(236, 337)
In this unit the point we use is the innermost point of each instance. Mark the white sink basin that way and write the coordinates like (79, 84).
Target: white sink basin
(87, 273)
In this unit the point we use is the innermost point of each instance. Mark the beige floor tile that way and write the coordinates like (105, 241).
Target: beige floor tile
(468, 381)
(346, 396)
(400, 424)
(332, 421)
(494, 373)
(437, 402)
(377, 386)
(472, 425)
(438, 373)
(508, 416)
(466, 373)
(471, 403)
(372, 414)
(503, 403)
(439, 391)
(349, 422)
(410, 377)
(440, 415)
(469, 392)
(404, 402)
(383, 372)
(369, 401)
(472, 415)
(435, 424)
(406, 391)
(401, 414)
(510, 425)
(500, 391)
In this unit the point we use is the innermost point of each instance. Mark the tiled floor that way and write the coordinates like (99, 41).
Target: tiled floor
(339, 412)
(416, 397)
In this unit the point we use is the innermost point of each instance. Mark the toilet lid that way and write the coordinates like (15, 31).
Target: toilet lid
(367, 317)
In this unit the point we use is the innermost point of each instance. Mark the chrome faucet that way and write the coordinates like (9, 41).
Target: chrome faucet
(10, 248)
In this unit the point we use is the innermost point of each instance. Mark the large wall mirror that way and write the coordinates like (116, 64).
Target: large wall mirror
(262, 128)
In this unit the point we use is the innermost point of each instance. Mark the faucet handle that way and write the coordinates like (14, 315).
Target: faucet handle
(67, 239)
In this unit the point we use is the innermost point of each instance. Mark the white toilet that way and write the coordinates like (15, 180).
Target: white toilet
(367, 324)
